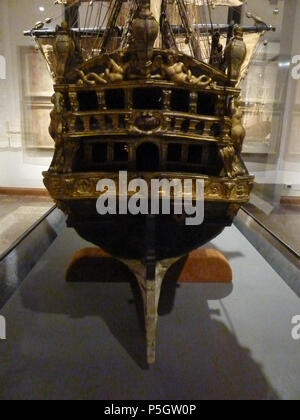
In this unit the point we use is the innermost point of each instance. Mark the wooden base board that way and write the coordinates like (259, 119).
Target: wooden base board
(290, 201)
(37, 192)
(200, 266)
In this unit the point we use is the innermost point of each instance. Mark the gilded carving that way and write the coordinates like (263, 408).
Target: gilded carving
(231, 154)
(146, 122)
(70, 149)
(56, 129)
(177, 72)
(54, 185)
(193, 102)
(166, 98)
(235, 54)
(232, 210)
(112, 73)
(241, 190)
(232, 163)
(74, 101)
(230, 185)
(144, 33)
(126, 67)
(64, 48)
(101, 99)
(90, 79)
(214, 190)
(84, 186)
(238, 131)
(74, 186)
(216, 56)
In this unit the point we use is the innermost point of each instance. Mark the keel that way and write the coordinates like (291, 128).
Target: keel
(150, 290)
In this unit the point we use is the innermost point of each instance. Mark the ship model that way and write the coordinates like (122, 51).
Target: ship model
(151, 87)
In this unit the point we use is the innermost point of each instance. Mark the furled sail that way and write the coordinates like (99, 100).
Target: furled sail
(252, 41)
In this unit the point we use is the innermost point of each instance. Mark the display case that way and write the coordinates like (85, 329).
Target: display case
(85, 338)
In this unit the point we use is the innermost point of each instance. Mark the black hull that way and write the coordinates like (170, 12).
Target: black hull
(132, 237)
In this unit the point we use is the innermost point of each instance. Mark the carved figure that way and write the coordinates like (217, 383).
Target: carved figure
(238, 131)
(231, 154)
(232, 162)
(235, 54)
(64, 48)
(114, 72)
(70, 150)
(216, 51)
(144, 33)
(91, 78)
(56, 131)
(177, 72)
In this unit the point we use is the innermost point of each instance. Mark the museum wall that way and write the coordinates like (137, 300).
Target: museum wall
(291, 148)
(272, 148)
(274, 156)
(20, 166)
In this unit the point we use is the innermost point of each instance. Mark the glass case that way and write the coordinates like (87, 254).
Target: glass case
(271, 98)
(270, 102)
(85, 339)
(25, 144)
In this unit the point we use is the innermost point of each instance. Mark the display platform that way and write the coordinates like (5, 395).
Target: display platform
(86, 340)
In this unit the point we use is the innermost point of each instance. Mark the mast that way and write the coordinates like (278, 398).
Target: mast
(72, 15)
(234, 18)
(190, 34)
(234, 15)
(176, 29)
(111, 24)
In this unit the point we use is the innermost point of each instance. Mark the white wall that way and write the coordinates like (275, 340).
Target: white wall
(19, 170)
(18, 167)
(284, 166)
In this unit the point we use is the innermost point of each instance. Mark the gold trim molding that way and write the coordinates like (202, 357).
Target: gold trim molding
(84, 185)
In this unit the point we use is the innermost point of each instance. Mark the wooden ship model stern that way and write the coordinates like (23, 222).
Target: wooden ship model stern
(148, 108)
